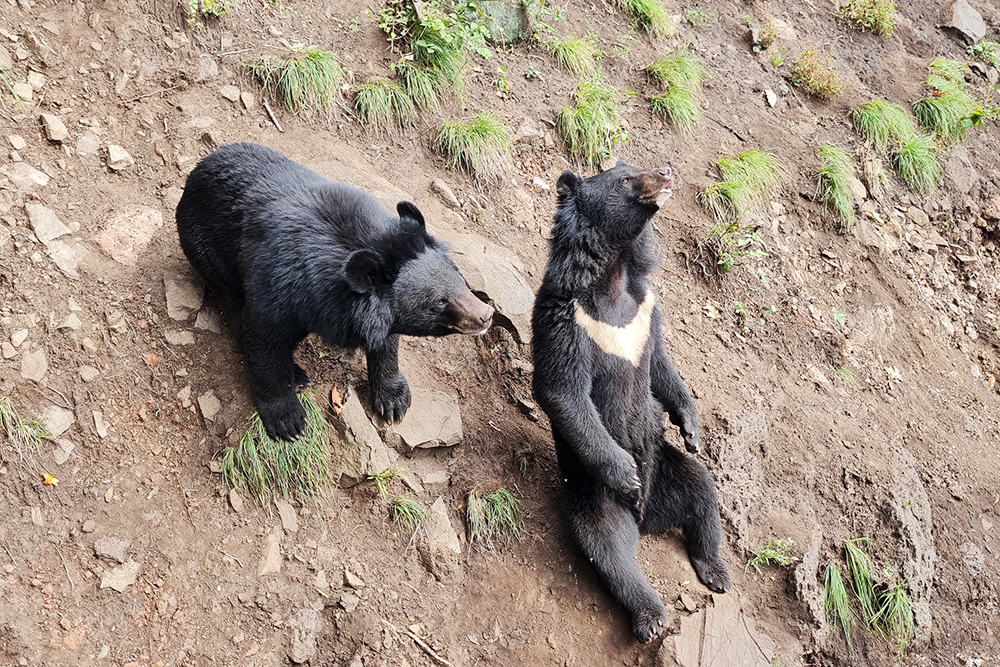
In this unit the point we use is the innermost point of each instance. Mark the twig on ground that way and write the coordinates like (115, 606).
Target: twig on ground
(156, 92)
(419, 642)
(270, 114)
(232, 556)
(184, 499)
(72, 586)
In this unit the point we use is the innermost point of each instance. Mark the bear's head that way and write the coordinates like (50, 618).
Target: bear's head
(412, 270)
(618, 202)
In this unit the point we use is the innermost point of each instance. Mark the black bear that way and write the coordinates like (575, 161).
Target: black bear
(289, 253)
(603, 378)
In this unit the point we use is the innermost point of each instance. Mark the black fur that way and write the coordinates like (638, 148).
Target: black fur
(622, 477)
(289, 253)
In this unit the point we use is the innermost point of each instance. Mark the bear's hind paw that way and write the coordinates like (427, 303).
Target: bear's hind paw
(713, 574)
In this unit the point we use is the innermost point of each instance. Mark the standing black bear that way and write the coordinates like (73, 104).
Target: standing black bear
(289, 253)
(604, 379)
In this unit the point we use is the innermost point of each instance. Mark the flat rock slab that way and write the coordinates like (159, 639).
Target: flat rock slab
(719, 635)
(184, 293)
(45, 223)
(964, 18)
(270, 559)
(433, 420)
(441, 551)
(289, 518)
(34, 365)
(363, 452)
(24, 176)
(121, 577)
(57, 420)
(125, 234)
(113, 548)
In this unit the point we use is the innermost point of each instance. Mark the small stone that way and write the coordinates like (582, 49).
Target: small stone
(231, 93)
(99, 424)
(236, 501)
(72, 321)
(18, 337)
(446, 193)
(175, 337)
(270, 561)
(771, 97)
(23, 90)
(88, 144)
(121, 577)
(89, 526)
(289, 519)
(45, 223)
(349, 602)
(24, 176)
(57, 419)
(119, 158)
(184, 295)
(113, 548)
(209, 404)
(539, 184)
(36, 516)
(248, 100)
(62, 450)
(208, 70)
(209, 319)
(688, 602)
(34, 365)
(55, 129)
(88, 373)
(17, 142)
(352, 580)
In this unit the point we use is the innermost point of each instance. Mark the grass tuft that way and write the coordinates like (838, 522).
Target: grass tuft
(917, 164)
(946, 112)
(308, 83)
(651, 15)
(748, 179)
(836, 602)
(836, 170)
(407, 513)
(496, 515)
(862, 572)
(418, 82)
(883, 123)
(988, 52)
(383, 479)
(25, 436)
(775, 552)
(382, 104)
(480, 146)
(576, 56)
(592, 125)
(262, 468)
(813, 72)
(895, 614)
(875, 16)
(680, 74)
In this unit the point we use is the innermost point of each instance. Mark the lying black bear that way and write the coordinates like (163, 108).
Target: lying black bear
(289, 253)
(604, 379)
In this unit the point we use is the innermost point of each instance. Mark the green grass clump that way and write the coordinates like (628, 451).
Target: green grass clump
(988, 52)
(419, 83)
(382, 104)
(836, 170)
(699, 19)
(895, 614)
(592, 125)
(407, 513)
(813, 72)
(576, 56)
(680, 74)
(775, 552)
(25, 436)
(437, 36)
(916, 163)
(862, 573)
(883, 123)
(651, 15)
(875, 16)
(480, 146)
(748, 179)
(308, 83)
(836, 602)
(262, 468)
(383, 479)
(947, 111)
(496, 515)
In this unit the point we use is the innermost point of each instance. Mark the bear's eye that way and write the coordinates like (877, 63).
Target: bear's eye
(626, 180)
(442, 302)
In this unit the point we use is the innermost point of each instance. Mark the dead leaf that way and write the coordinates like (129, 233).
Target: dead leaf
(711, 311)
(152, 359)
(336, 402)
(49, 480)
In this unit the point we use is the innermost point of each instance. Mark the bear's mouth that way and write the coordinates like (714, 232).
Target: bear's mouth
(660, 197)
(468, 330)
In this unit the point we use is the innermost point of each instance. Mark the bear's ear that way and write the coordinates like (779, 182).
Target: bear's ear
(407, 210)
(621, 163)
(568, 184)
(362, 269)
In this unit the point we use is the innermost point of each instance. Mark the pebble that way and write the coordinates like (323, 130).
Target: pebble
(349, 602)
(289, 519)
(17, 142)
(119, 158)
(89, 526)
(231, 93)
(352, 580)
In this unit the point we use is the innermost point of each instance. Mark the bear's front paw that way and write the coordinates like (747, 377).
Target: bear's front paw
(284, 418)
(713, 574)
(649, 623)
(621, 474)
(692, 439)
(391, 399)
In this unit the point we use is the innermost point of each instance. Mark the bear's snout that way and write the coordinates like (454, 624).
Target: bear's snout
(657, 185)
(472, 316)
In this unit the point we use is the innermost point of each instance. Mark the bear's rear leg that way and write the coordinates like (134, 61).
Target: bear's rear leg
(608, 535)
(274, 377)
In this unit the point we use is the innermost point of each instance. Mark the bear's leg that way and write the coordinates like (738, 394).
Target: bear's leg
(390, 392)
(683, 496)
(273, 376)
(302, 380)
(608, 535)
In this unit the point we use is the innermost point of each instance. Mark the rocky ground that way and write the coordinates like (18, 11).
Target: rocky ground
(846, 382)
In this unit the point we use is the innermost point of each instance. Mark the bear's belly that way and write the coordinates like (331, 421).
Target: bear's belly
(621, 393)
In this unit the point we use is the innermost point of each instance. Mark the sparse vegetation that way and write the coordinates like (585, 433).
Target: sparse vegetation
(895, 614)
(775, 552)
(592, 125)
(480, 146)
(875, 16)
(862, 573)
(699, 19)
(768, 36)
(25, 436)
(261, 467)
(748, 180)
(917, 164)
(307, 83)
(847, 377)
(575, 55)
(494, 516)
(382, 104)
(813, 72)
(210, 8)
(383, 479)
(680, 74)
(778, 57)
(948, 108)
(418, 82)
(651, 15)
(988, 52)
(836, 170)
(836, 602)
(407, 513)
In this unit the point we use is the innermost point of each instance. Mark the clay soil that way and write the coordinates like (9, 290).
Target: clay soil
(845, 383)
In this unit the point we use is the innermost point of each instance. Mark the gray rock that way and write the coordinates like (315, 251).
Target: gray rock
(686, 644)
(248, 100)
(175, 337)
(18, 337)
(447, 195)
(100, 425)
(958, 167)
(349, 602)
(119, 158)
(208, 70)
(352, 580)
(184, 295)
(209, 319)
(62, 450)
(236, 501)
(231, 93)
(441, 551)
(88, 145)
(917, 216)
(964, 19)
(72, 322)
(125, 234)
(433, 420)
(172, 197)
(495, 273)
(121, 577)
(16, 141)
(868, 234)
(24, 176)
(66, 256)
(45, 223)
(210, 405)
(992, 209)
(113, 548)
(23, 90)
(510, 21)
(270, 560)
(57, 419)
(88, 373)
(55, 129)
(34, 365)
(363, 453)
(289, 518)
(303, 643)
(89, 526)
(688, 602)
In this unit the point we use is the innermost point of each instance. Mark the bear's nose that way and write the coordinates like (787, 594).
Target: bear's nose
(666, 172)
(486, 315)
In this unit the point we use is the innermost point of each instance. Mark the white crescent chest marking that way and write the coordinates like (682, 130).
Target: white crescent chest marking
(627, 342)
